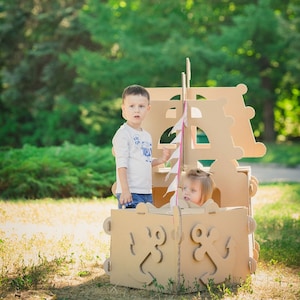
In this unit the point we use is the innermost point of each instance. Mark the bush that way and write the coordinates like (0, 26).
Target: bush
(56, 172)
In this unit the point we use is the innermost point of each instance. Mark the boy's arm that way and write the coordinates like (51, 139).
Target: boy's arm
(125, 196)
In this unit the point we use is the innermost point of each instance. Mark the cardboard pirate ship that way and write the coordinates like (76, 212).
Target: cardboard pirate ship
(174, 245)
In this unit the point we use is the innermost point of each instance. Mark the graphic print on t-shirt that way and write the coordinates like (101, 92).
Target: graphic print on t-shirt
(146, 148)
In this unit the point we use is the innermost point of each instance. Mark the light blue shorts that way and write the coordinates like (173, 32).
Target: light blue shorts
(136, 199)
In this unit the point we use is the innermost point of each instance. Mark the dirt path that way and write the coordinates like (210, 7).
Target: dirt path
(274, 173)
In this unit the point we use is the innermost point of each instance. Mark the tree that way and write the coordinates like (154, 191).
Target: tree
(146, 42)
(64, 63)
(287, 111)
(256, 49)
(40, 103)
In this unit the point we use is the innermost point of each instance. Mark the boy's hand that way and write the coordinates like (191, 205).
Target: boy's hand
(125, 198)
(166, 154)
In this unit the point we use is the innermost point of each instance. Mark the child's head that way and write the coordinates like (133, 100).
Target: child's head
(135, 105)
(135, 90)
(198, 186)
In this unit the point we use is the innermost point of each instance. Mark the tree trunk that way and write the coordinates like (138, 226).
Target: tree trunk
(268, 113)
(268, 118)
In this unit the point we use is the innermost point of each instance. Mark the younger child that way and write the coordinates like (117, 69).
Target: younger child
(132, 147)
(198, 186)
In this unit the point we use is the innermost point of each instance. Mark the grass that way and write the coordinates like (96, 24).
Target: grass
(55, 250)
(279, 225)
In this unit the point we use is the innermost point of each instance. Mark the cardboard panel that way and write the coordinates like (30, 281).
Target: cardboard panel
(185, 247)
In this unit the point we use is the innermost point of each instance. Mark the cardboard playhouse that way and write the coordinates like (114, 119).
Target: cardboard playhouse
(175, 246)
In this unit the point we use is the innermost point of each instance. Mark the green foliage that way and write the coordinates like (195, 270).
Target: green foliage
(287, 114)
(84, 273)
(57, 172)
(218, 291)
(254, 50)
(278, 226)
(65, 63)
(40, 102)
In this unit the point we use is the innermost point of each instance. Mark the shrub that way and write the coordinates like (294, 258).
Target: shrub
(56, 172)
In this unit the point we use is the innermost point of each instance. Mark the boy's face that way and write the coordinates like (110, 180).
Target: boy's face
(134, 109)
(192, 191)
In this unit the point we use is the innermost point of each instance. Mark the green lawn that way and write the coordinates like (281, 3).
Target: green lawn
(278, 223)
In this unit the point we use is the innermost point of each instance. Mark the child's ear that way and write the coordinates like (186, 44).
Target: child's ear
(123, 112)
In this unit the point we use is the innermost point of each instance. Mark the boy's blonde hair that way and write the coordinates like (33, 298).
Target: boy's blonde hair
(205, 180)
(135, 90)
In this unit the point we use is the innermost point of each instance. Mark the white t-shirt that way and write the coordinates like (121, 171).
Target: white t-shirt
(133, 150)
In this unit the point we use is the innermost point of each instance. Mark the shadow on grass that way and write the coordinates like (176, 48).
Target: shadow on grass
(37, 283)
(101, 288)
(52, 281)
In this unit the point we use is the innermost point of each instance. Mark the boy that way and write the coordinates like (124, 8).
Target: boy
(132, 147)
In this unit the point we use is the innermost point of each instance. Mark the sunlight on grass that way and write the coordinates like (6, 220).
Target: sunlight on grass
(56, 244)
(34, 233)
(278, 223)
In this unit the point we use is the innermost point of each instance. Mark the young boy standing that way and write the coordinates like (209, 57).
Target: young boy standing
(132, 148)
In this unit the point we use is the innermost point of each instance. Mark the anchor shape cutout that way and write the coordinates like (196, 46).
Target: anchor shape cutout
(205, 238)
(153, 240)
